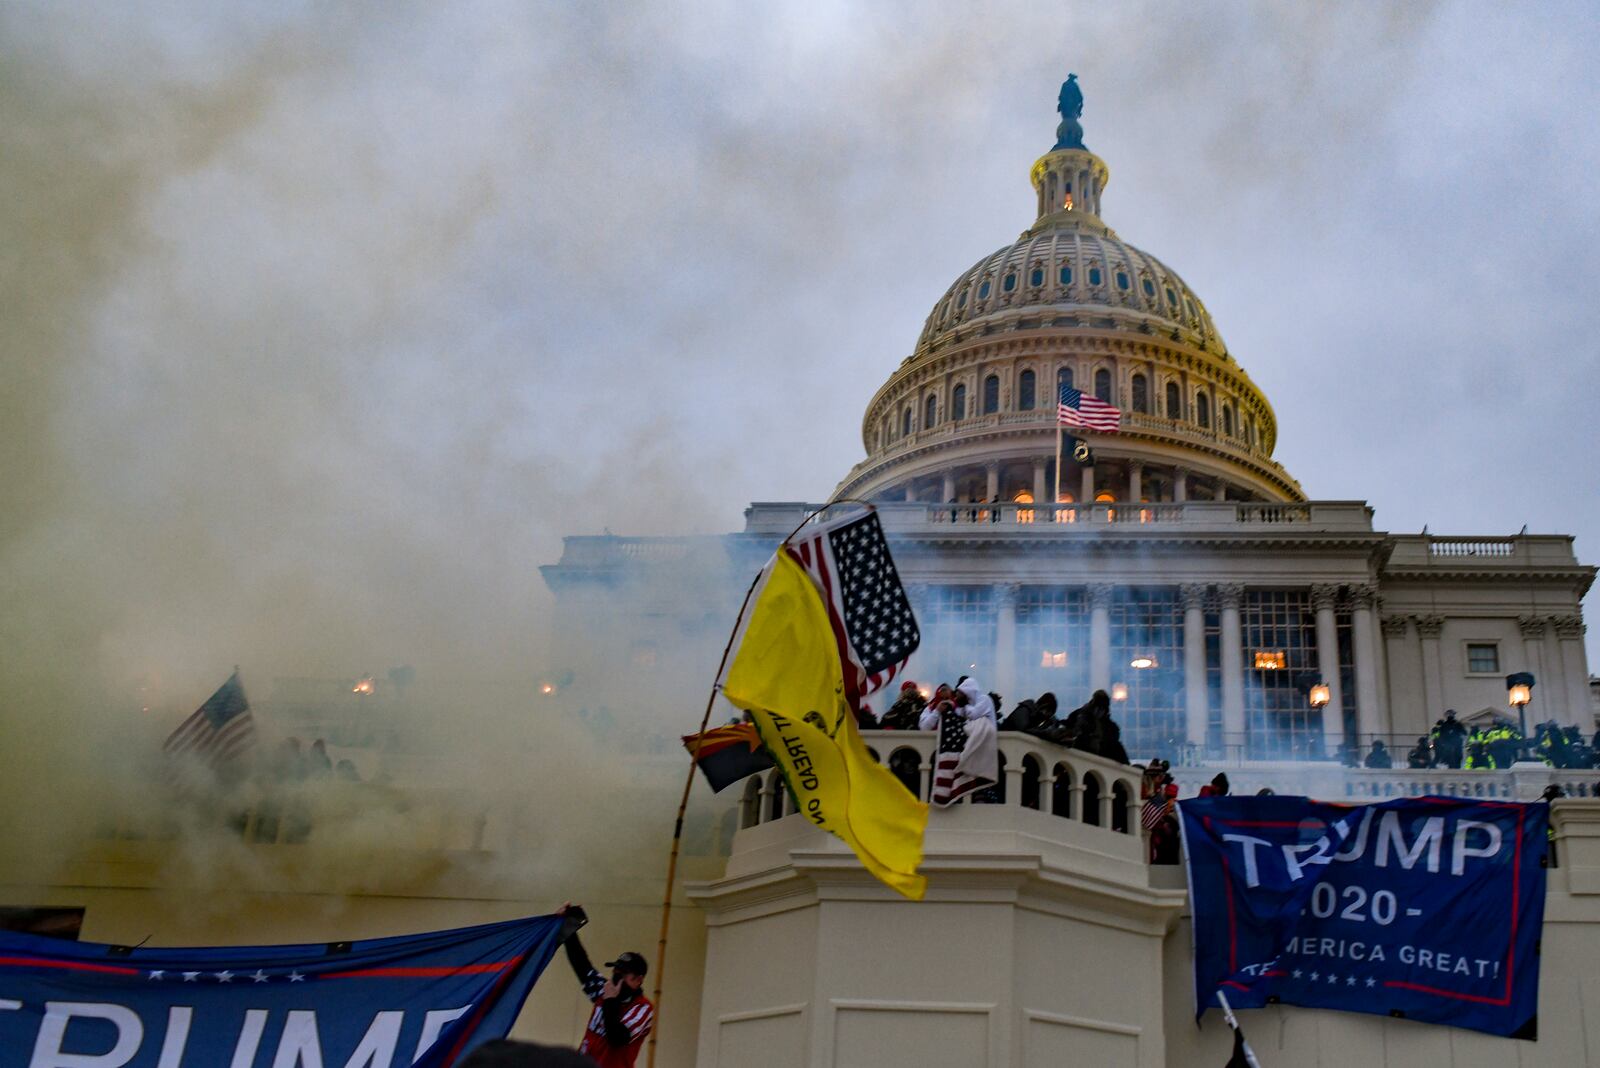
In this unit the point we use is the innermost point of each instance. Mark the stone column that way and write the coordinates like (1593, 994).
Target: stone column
(911, 492)
(1323, 599)
(1428, 629)
(1232, 653)
(992, 482)
(948, 491)
(1100, 637)
(1005, 640)
(1180, 484)
(1369, 716)
(1219, 491)
(1086, 485)
(1135, 481)
(1194, 662)
(1575, 668)
(1041, 488)
(1550, 696)
(1392, 647)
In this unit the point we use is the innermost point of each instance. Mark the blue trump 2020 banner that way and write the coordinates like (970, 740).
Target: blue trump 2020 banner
(425, 999)
(1427, 908)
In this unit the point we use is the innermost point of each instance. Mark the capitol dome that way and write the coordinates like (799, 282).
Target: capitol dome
(970, 414)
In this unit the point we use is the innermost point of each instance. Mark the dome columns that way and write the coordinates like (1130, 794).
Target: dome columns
(1070, 180)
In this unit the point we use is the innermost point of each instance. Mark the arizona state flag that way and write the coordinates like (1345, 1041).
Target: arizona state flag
(725, 755)
(789, 675)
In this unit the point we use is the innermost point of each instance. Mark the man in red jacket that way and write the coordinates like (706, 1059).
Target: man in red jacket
(622, 1015)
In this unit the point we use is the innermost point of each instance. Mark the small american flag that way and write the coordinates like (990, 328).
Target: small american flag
(1090, 413)
(1154, 809)
(872, 620)
(950, 785)
(219, 731)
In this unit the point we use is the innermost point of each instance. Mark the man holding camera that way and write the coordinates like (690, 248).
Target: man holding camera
(622, 1015)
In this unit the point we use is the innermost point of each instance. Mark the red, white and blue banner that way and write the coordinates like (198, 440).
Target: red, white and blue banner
(1423, 908)
(425, 1000)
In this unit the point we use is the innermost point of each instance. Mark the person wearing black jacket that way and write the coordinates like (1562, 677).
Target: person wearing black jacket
(622, 1015)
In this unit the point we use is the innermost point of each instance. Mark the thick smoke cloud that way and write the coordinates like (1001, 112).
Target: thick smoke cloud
(323, 325)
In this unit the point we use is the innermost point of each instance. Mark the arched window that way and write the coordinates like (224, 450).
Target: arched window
(958, 403)
(961, 301)
(1122, 281)
(1009, 282)
(1174, 401)
(1227, 419)
(983, 290)
(1066, 274)
(1036, 278)
(1102, 385)
(1094, 276)
(991, 394)
(1202, 410)
(905, 423)
(929, 408)
(1025, 391)
(1063, 379)
(1149, 288)
(1141, 394)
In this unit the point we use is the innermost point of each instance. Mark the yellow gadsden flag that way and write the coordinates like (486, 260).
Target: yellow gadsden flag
(788, 666)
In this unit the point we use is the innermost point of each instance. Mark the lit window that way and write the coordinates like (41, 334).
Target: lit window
(1037, 277)
(1094, 276)
(1066, 515)
(1024, 515)
(1009, 283)
(1122, 280)
(1483, 659)
(1053, 660)
(1270, 661)
(983, 290)
(1066, 275)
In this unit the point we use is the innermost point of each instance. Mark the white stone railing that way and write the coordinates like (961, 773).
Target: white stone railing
(1039, 519)
(1523, 782)
(1035, 774)
(1472, 546)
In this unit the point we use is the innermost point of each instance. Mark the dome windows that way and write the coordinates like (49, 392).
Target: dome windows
(1172, 298)
(930, 409)
(1094, 276)
(1122, 281)
(1009, 283)
(1202, 410)
(1036, 278)
(1141, 393)
(991, 394)
(1174, 401)
(961, 301)
(906, 424)
(1066, 275)
(1063, 379)
(983, 290)
(1227, 419)
(1149, 288)
(1102, 385)
(1026, 388)
(958, 403)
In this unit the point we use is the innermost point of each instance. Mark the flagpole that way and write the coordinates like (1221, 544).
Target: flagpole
(1056, 500)
(688, 782)
(1233, 1022)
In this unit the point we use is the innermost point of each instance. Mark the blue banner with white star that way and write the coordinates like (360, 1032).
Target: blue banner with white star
(424, 1000)
(1424, 908)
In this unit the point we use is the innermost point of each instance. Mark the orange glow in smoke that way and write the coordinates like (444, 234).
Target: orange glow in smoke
(365, 687)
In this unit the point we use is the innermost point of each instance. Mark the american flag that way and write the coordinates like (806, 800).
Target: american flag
(1090, 413)
(1154, 809)
(219, 731)
(872, 621)
(950, 785)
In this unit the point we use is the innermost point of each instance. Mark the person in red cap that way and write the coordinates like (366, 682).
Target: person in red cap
(622, 1015)
(903, 714)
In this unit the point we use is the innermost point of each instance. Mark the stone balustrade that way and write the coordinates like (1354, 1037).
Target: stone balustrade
(1035, 774)
(1522, 782)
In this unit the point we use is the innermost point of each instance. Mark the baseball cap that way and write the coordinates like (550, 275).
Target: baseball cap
(629, 962)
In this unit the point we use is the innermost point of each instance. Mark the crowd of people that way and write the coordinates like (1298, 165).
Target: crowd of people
(1452, 744)
(1089, 727)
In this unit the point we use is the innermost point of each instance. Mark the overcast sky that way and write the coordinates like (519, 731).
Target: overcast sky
(322, 326)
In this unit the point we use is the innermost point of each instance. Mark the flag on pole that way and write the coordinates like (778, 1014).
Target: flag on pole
(725, 755)
(1075, 408)
(220, 731)
(868, 610)
(789, 673)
